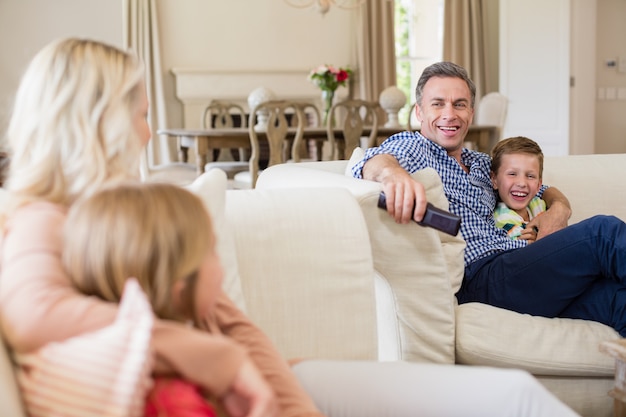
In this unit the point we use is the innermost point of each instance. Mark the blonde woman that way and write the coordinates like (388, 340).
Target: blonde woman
(78, 125)
(169, 248)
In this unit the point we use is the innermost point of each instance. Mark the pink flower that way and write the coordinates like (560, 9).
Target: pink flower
(329, 78)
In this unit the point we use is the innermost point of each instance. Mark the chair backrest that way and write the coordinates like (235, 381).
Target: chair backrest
(352, 117)
(491, 110)
(412, 123)
(312, 115)
(222, 114)
(275, 129)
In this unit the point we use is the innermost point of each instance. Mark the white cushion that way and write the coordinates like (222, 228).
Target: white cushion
(211, 187)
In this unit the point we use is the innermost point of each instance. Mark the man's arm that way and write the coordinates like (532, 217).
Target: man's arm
(557, 215)
(406, 198)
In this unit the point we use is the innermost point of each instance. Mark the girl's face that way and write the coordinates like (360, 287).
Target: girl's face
(208, 286)
(140, 117)
(197, 297)
(517, 181)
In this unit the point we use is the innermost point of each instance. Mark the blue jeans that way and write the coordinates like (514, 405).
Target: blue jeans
(578, 272)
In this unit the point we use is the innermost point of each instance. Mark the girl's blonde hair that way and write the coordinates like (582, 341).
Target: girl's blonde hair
(156, 233)
(71, 130)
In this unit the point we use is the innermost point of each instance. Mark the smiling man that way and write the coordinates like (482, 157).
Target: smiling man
(576, 271)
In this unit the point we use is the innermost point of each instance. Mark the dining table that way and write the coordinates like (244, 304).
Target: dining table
(201, 141)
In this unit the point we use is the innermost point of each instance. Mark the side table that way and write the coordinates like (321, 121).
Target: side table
(617, 350)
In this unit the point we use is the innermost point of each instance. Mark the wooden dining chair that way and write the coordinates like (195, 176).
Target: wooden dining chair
(179, 173)
(276, 133)
(312, 118)
(221, 115)
(352, 117)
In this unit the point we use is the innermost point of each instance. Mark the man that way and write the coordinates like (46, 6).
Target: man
(575, 271)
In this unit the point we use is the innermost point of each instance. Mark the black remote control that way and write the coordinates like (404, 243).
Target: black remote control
(434, 217)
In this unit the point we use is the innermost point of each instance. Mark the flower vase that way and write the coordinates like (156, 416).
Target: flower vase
(327, 101)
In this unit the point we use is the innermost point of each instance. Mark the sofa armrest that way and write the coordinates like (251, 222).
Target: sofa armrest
(423, 267)
(307, 275)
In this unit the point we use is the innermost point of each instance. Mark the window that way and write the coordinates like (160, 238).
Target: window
(419, 43)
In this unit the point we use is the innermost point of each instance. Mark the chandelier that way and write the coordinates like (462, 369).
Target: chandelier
(323, 6)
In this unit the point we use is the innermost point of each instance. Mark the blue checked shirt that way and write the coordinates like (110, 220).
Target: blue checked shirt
(471, 195)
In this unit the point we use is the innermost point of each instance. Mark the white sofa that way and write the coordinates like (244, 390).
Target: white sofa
(562, 353)
(328, 275)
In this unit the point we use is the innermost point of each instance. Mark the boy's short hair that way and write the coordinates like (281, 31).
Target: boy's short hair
(517, 144)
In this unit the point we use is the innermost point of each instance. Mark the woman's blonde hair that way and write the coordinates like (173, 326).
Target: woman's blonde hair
(71, 130)
(156, 233)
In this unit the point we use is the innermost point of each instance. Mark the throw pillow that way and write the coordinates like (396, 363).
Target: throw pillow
(105, 373)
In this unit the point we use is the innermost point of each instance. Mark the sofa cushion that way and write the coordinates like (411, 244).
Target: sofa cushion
(306, 270)
(211, 187)
(10, 400)
(491, 336)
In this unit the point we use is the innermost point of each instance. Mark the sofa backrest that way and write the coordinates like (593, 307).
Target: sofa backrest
(422, 267)
(579, 177)
(10, 399)
(306, 270)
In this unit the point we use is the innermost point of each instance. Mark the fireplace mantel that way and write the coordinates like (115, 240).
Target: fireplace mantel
(195, 88)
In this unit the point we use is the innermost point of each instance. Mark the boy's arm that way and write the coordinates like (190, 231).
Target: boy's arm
(557, 215)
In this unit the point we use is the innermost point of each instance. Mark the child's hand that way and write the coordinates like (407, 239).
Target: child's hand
(529, 233)
(249, 395)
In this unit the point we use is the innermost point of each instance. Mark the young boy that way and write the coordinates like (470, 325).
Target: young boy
(516, 170)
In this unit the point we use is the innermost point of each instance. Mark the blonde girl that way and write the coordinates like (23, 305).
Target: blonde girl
(169, 248)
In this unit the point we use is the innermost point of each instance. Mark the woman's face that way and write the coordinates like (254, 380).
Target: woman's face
(140, 117)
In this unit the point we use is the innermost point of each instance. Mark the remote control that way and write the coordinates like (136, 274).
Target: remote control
(434, 217)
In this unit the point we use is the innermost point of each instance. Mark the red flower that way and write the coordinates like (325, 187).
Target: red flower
(342, 75)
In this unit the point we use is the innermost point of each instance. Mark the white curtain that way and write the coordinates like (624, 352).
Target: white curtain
(141, 35)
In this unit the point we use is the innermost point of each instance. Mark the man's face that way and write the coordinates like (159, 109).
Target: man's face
(446, 112)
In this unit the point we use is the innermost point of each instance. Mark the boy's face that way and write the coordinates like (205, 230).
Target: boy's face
(517, 180)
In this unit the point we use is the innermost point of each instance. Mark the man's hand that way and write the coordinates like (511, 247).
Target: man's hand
(557, 215)
(406, 198)
(249, 395)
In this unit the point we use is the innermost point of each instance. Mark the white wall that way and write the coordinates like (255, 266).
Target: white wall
(241, 35)
(27, 25)
(610, 112)
(583, 73)
(250, 36)
(214, 35)
(535, 71)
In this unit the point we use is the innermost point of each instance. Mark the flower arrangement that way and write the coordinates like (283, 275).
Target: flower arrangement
(328, 78)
